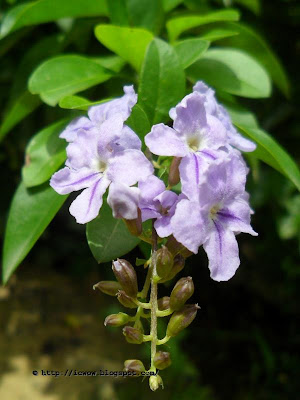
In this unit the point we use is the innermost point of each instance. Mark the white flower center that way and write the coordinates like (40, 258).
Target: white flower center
(99, 165)
(196, 141)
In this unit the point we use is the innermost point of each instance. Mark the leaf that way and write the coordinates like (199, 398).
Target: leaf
(232, 71)
(38, 12)
(190, 50)
(65, 75)
(45, 153)
(25, 104)
(139, 122)
(30, 213)
(162, 81)
(253, 5)
(129, 43)
(114, 63)
(79, 103)
(251, 42)
(177, 25)
(169, 5)
(108, 237)
(215, 33)
(269, 151)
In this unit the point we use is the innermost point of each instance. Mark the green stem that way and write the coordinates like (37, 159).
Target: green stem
(153, 298)
(163, 341)
(164, 313)
(144, 292)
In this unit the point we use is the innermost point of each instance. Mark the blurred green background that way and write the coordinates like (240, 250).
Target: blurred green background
(245, 341)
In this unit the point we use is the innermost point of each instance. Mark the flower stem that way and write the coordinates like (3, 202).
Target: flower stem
(153, 298)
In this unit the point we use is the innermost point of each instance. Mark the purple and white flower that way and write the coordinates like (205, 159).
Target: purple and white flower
(216, 216)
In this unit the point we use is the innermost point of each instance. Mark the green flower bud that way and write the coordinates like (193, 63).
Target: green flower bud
(126, 276)
(125, 300)
(139, 325)
(108, 287)
(133, 335)
(181, 292)
(163, 303)
(181, 319)
(162, 360)
(177, 267)
(154, 382)
(164, 262)
(135, 226)
(174, 176)
(116, 319)
(134, 366)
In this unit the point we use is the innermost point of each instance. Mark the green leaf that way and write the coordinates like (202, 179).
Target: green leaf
(65, 75)
(176, 26)
(108, 237)
(253, 5)
(25, 104)
(269, 151)
(139, 122)
(232, 71)
(162, 81)
(38, 12)
(129, 43)
(45, 153)
(190, 50)
(169, 5)
(79, 103)
(114, 63)
(30, 213)
(214, 33)
(251, 42)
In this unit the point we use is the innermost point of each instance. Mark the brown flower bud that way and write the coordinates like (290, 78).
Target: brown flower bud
(125, 300)
(155, 382)
(133, 335)
(126, 276)
(181, 319)
(116, 319)
(174, 176)
(164, 262)
(163, 303)
(134, 366)
(181, 292)
(108, 287)
(162, 360)
(177, 267)
(135, 226)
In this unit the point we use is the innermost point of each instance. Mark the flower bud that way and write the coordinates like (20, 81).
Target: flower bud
(181, 292)
(139, 325)
(133, 335)
(154, 382)
(174, 176)
(135, 226)
(162, 360)
(108, 287)
(181, 319)
(125, 300)
(116, 319)
(126, 276)
(134, 366)
(164, 262)
(177, 267)
(163, 303)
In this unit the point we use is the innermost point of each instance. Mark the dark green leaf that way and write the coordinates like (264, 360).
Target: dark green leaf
(128, 43)
(162, 81)
(168, 5)
(118, 12)
(38, 12)
(30, 213)
(232, 71)
(45, 153)
(139, 123)
(253, 5)
(108, 237)
(190, 50)
(269, 151)
(79, 103)
(177, 25)
(65, 75)
(20, 108)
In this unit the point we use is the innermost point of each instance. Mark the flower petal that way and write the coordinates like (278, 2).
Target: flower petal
(150, 188)
(188, 225)
(216, 135)
(163, 226)
(167, 199)
(191, 168)
(129, 167)
(66, 180)
(240, 142)
(83, 150)
(128, 139)
(210, 102)
(123, 200)
(86, 206)
(223, 253)
(165, 141)
(71, 130)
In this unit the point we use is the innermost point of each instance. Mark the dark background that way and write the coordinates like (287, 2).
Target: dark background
(245, 341)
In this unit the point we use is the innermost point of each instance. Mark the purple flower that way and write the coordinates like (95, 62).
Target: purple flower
(157, 202)
(220, 212)
(97, 160)
(100, 113)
